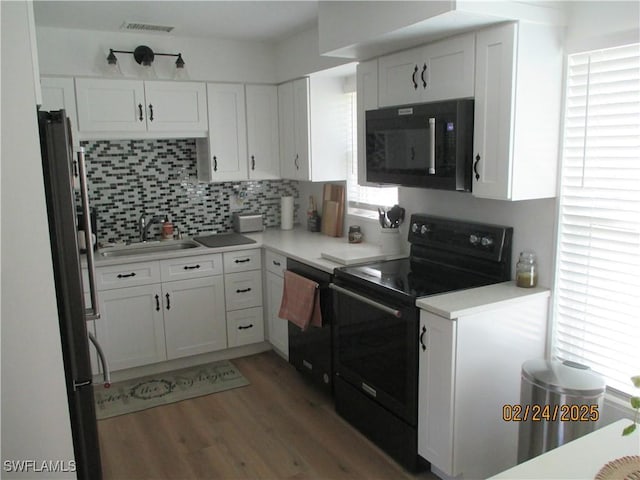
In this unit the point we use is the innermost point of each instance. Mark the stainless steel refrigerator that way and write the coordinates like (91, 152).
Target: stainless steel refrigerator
(61, 172)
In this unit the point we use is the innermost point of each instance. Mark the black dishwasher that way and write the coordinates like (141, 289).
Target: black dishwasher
(310, 350)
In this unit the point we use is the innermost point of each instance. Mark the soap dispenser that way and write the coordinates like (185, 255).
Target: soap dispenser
(167, 229)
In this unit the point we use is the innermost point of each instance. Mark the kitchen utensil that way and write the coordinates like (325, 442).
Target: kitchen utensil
(333, 206)
(393, 215)
(382, 217)
(330, 211)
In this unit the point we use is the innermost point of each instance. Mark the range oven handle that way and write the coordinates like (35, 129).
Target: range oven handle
(368, 301)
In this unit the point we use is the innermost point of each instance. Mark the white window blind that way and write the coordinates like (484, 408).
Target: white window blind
(597, 288)
(359, 197)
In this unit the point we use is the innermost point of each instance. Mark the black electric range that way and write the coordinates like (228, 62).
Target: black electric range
(376, 327)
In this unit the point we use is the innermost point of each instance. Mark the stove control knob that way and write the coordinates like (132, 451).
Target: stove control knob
(414, 227)
(425, 229)
(474, 239)
(486, 241)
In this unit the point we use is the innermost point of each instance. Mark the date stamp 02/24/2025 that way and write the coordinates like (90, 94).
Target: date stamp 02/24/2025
(550, 413)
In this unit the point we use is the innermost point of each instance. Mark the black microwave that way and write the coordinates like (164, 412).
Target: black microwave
(428, 145)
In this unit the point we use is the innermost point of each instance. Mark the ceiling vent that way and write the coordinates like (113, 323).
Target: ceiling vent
(144, 27)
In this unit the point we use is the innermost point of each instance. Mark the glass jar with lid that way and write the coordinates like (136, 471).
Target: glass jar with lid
(527, 270)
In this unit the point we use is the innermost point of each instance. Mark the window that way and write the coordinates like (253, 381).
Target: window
(597, 288)
(363, 201)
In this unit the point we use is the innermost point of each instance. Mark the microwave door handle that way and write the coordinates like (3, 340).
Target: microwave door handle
(93, 313)
(432, 146)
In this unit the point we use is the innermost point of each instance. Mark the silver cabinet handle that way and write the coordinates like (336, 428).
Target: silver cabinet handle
(106, 375)
(368, 301)
(432, 146)
(92, 313)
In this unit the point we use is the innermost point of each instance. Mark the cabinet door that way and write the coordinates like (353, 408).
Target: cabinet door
(176, 107)
(131, 328)
(60, 93)
(493, 112)
(399, 78)
(278, 329)
(223, 156)
(110, 105)
(286, 131)
(262, 132)
(301, 124)
(243, 290)
(194, 316)
(245, 327)
(450, 68)
(367, 98)
(436, 370)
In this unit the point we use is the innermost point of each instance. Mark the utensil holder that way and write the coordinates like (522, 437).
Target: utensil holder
(390, 241)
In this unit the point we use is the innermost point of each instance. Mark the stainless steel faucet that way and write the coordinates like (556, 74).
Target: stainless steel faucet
(144, 225)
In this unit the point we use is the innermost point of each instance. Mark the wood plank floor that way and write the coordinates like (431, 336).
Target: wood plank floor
(279, 427)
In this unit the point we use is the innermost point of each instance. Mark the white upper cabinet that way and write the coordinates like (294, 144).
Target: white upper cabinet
(58, 93)
(111, 105)
(223, 155)
(176, 106)
(312, 118)
(262, 132)
(438, 71)
(124, 108)
(243, 134)
(518, 85)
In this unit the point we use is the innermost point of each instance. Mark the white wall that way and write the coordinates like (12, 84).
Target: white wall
(594, 25)
(35, 417)
(299, 55)
(84, 53)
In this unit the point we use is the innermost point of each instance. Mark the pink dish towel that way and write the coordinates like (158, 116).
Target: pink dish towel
(300, 301)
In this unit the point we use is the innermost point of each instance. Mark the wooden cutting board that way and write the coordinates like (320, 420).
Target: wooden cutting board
(333, 210)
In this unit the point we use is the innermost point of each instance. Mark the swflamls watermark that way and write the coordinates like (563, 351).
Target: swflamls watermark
(39, 466)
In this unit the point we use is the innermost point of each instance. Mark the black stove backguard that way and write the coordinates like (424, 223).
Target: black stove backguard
(375, 329)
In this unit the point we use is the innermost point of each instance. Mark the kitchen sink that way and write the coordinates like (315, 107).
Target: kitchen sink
(149, 247)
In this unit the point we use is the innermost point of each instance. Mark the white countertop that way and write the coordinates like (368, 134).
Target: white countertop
(298, 244)
(580, 459)
(307, 247)
(475, 300)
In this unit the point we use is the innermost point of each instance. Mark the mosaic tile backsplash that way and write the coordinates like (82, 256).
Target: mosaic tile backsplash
(159, 177)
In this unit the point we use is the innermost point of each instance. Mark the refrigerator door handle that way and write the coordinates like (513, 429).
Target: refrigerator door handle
(106, 375)
(92, 313)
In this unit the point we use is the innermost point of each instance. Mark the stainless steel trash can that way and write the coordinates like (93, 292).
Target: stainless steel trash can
(559, 402)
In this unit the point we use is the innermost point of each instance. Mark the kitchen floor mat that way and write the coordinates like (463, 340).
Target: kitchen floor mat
(153, 390)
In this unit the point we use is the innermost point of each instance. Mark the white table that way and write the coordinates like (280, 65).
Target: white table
(580, 459)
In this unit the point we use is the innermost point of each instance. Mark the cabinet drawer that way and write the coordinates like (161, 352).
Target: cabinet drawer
(243, 290)
(275, 262)
(127, 275)
(191, 267)
(242, 261)
(245, 326)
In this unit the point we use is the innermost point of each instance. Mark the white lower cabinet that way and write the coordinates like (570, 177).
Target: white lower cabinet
(469, 368)
(245, 326)
(243, 289)
(194, 316)
(243, 297)
(131, 327)
(278, 328)
(161, 320)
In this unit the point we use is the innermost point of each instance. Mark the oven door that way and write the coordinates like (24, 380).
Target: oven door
(375, 347)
